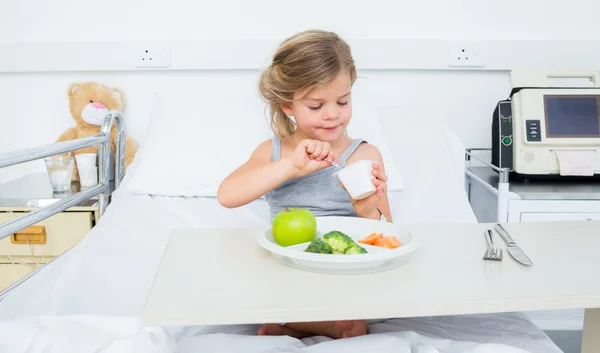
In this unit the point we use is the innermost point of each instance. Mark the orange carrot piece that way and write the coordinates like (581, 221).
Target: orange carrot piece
(395, 242)
(383, 242)
(370, 240)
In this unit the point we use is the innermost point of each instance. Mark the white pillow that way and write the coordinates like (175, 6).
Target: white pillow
(457, 148)
(193, 142)
(434, 192)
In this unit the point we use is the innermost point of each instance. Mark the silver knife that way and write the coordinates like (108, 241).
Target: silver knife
(513, 249)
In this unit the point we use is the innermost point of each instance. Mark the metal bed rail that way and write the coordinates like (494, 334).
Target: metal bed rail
(102, 189)
(502, 192)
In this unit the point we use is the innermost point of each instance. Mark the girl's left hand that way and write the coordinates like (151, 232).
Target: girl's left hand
(368, 207)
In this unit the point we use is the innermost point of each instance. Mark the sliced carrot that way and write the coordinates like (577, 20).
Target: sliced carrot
(383, 242)
(378, 239)
(395, 242)
(370, 240)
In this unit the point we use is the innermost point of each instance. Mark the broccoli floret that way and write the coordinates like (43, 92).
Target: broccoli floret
(318, 246)
(335, 242)
(355, 249)
(338, 241)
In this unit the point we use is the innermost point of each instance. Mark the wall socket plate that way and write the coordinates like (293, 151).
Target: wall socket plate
(151, 54)
(466, 54)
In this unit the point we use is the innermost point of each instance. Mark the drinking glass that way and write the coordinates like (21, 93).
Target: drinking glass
(60, 169)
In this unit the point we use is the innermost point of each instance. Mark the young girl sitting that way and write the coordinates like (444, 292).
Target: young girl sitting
(308, 89)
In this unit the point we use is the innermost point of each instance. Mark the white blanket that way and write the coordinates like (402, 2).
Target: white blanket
(88, 334)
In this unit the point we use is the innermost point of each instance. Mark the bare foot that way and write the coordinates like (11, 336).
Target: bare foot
(278, 330)
(352, 328)
(332, 329)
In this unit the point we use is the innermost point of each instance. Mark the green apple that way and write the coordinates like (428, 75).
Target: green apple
(294, 226)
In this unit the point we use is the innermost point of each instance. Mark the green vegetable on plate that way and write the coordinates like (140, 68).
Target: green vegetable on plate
(335, 242)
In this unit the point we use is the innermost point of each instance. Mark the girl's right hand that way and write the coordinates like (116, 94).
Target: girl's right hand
(311, 156)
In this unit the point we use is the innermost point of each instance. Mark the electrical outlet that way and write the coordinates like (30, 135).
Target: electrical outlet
(152, 54)
(466, 55)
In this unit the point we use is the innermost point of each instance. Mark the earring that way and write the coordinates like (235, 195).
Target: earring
(291, 117)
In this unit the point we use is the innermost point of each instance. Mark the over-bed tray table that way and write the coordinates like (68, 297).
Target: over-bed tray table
(445, 276)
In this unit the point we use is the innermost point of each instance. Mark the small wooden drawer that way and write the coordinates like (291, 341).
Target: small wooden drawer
(46, 239)
(10, 273)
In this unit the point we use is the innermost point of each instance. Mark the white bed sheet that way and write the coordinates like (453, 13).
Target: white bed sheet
(84, 334)
(89, 300)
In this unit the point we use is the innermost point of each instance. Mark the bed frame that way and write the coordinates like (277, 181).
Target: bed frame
(502, 193)
(102, 189)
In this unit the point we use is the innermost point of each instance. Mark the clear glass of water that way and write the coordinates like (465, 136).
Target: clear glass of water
(60, 169)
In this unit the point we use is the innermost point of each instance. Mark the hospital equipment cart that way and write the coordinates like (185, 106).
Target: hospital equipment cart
(530, 201)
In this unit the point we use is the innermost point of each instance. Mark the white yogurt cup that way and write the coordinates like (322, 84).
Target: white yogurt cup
(86, 160)
(88, 176)
(357, 179)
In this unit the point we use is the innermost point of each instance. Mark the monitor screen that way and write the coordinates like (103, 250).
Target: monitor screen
(572, 116)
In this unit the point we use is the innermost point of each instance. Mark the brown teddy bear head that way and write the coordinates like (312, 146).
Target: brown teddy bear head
(90, 102)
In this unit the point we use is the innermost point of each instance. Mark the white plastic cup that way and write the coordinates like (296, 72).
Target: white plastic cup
(357, 179)
(88, 176)
(86, 160)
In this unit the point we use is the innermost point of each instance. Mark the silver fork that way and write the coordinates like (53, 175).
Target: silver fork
(492, 252)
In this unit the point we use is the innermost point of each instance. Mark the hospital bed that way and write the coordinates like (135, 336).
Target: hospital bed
(91, 298)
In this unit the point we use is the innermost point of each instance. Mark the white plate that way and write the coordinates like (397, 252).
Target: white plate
(375, 260)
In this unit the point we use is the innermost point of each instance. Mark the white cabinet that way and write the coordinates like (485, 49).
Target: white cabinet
(532, 201)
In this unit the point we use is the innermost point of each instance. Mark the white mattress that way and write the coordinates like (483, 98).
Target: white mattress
(89, 299)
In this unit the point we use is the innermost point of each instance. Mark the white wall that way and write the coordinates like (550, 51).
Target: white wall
(34, 107)
(62, 20)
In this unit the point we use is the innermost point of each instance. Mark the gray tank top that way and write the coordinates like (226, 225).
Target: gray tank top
(320, 192)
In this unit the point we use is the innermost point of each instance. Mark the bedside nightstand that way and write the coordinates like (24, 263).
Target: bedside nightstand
(26, 250)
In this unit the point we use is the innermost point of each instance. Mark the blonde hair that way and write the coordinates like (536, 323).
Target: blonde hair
(307, 59)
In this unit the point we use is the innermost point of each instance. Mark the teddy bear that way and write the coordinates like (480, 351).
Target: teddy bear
(89, 103)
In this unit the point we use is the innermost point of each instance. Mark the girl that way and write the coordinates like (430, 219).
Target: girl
(308, 90)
